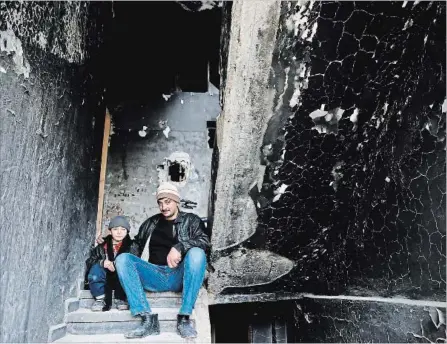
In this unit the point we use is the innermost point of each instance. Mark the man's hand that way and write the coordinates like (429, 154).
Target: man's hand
(109, 265)
(99, 240)
(174, 258)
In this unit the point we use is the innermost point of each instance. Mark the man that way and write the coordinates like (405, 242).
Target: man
(172, 246)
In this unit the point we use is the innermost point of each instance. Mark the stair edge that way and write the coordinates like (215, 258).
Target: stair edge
(56, 332)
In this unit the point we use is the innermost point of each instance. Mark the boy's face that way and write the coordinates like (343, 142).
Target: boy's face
(118, 233)
(168, 208)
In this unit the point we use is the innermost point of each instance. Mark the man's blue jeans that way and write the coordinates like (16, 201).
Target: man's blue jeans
(136, 275)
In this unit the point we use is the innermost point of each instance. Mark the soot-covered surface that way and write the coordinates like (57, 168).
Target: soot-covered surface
(354, 191)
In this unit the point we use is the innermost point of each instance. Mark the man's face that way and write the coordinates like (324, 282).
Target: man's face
(118, 233)
(168, 208)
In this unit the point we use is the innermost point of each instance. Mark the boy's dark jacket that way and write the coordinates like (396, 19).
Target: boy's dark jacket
(97, 256)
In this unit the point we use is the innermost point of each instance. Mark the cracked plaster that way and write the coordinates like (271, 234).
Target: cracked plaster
(365, 204)
(364, 209)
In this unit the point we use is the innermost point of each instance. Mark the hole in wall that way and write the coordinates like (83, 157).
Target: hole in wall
(176, 168)
(176, 172)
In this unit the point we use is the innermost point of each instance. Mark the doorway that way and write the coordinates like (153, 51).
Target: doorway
(162, 93)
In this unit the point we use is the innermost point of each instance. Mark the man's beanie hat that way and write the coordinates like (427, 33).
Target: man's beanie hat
(167, 190)
(119, 221)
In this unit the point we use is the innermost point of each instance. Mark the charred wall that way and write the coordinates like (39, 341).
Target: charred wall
(52, 116)
(354, 321)
(353, 193)
(359, 194)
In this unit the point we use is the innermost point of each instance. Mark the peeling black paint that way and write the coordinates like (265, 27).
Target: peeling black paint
(364, 210)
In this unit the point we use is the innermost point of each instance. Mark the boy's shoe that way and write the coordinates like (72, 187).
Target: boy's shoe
(121, 305)
(98, 305)
(184, 327)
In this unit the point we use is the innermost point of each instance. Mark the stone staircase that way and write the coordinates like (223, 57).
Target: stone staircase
(81, 325)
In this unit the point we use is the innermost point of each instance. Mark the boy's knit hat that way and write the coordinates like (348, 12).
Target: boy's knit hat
(168, 190)
(119, 221)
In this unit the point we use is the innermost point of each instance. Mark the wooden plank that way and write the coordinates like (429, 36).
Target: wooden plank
(102, 176)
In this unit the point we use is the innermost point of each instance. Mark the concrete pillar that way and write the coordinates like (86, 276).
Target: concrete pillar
(247, 108)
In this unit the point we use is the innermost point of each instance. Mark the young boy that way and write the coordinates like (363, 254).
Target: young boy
(102, 277)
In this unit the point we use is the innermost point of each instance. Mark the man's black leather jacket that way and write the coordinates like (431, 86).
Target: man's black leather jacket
(188, 227)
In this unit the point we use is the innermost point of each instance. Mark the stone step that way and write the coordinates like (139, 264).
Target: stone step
(84, 321)
(85, 315)
(160, 300)
(85, 294)
(154, 301)
(115, 327)
(165, 337)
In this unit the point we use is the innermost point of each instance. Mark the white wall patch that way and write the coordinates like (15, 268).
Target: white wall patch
(10, 44)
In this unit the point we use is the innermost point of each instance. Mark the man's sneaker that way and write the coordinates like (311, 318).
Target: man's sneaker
(121, 305)
(184, 327)
(150, 326)
(98, 305)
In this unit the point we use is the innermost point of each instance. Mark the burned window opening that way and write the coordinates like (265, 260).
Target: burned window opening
(177, 172)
